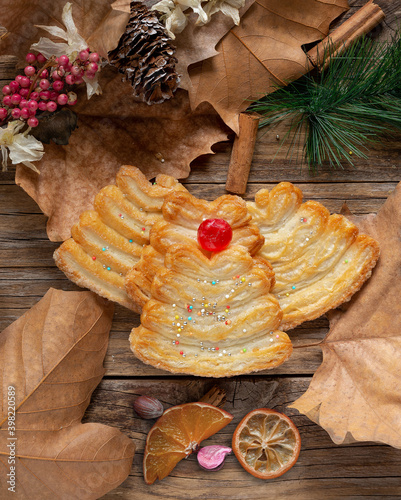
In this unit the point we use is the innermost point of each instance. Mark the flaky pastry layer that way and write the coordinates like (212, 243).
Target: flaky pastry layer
(108, 241)
(211, 317)
(182, 215)
(320, 260)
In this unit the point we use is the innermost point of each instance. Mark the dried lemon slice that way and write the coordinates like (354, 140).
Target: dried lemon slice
(266, 443)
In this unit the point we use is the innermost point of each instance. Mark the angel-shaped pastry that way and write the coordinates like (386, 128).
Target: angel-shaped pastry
(211, 315)
(319, 260)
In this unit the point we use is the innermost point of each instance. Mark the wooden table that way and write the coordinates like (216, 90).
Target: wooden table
(323, 470)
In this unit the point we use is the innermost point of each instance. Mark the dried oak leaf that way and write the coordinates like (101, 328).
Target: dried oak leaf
(100, 22)
(356, 393)
(113, 130)
(53, 357)
(197, 43)
(262, 53)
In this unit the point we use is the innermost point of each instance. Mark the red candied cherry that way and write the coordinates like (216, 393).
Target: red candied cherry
(42, 106)
(51, 106)
(25, 82)
(32, 105)
(70, 79)
(16, 99)
(24, 92)
(29, 70)
(6, 90)
(45, 95)
(33, 122)
(23, 103)
(44, 84)
(16, 113)
(18, 79)
(63, 60)
(62, 99)
(14, 86)
(34, 96)
(30, 58)
(58, 85)
(7, 100)
(3, 113)
(94, 57)
(41, 58)
(44, 74)
(25, 114)
(53, 95)
(89, 75)
(214, 235)
(83, 55)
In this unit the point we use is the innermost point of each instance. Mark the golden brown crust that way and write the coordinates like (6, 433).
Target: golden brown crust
(319, 259)
(108, 241)
(138, 280)
(182, 215)
(211, 316)
(85, 272)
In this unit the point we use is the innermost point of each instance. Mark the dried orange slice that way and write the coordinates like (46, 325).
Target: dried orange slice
(178, 433)
(266, 443)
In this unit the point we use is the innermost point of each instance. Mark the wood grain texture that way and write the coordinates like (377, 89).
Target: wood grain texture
(324, 470)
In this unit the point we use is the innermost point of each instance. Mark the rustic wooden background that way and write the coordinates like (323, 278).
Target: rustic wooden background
(323, 470)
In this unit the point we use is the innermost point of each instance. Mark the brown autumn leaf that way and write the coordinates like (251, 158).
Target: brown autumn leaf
(113, 130)
(91, 18)
(355, 394)
(197, 43)
(53, 358)
(262, 53)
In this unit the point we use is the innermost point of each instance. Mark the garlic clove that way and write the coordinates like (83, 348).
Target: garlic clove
(212, 457)
(148, 407)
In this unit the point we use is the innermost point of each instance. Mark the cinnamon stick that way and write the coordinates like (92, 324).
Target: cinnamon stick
(215, 397)
(241, 156)
(360, 23)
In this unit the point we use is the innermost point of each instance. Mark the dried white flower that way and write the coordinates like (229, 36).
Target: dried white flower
(75, 43)
(229, 8)
(175, 18)
(21, 147)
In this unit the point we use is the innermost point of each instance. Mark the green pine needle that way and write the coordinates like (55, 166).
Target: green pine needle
(345, 107)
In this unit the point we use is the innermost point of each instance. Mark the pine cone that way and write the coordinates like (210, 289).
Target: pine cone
(146, 57)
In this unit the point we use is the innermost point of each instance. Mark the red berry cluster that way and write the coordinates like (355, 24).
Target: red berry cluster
(45, 85)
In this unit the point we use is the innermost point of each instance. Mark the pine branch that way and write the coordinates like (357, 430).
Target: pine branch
(344, 108)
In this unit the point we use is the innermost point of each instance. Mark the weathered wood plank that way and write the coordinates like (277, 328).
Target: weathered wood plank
(13, 200)
(382, 165)
(22, 220)
(323, 470)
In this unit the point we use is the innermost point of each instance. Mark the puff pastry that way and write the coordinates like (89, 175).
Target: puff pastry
(108, 240)
(182, 215)
(319, 259)
(211, 317)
